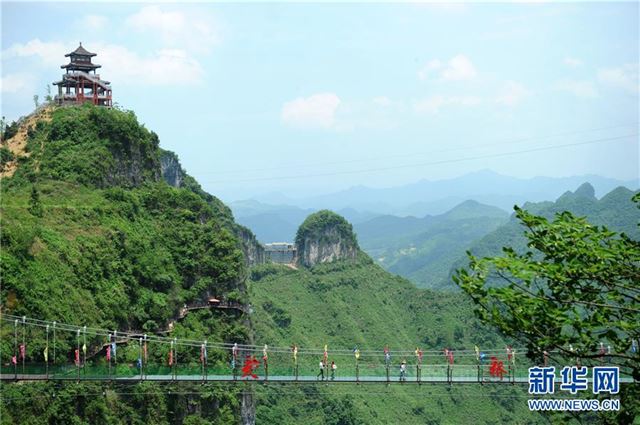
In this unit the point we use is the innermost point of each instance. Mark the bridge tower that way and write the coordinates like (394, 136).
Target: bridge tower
(80, 83)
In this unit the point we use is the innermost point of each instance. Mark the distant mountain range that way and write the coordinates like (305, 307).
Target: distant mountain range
(279, 223)
(438, 196)
(427, 250)
(424, 249)
(614, 210)
(274, 217)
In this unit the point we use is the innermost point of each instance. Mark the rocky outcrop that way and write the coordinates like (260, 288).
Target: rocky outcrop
(172, 172)
(174, 175)
(131, 167)
(252, 249)
(325, 237)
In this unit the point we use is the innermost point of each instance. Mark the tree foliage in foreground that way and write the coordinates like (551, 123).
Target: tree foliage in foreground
(577, 285)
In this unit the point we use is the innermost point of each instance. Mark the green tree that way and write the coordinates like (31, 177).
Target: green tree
(35, 206)
(577, 285)
(48, 97)
(9, 130)
(6, 156)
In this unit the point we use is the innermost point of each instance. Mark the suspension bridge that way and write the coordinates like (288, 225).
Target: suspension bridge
(37, 350)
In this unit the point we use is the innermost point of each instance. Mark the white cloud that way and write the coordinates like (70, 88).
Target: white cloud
(433, 104)
(93, 22)
(316, 111)
(457, 68)
(512, 94)
(584, 89)
(163, 67)
(190, 31)
(50, 53)
(428, 68)
(624, 77)
(13, 83)
(572, 62)
(119, 64)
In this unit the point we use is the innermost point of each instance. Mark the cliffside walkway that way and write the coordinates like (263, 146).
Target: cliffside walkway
(223, 305)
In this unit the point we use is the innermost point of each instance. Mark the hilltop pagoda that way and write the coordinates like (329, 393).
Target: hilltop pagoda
(80, 83)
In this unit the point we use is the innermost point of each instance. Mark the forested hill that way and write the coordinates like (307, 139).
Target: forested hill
(93, 234)
(615, 210)
(424, 249)
(354, 302)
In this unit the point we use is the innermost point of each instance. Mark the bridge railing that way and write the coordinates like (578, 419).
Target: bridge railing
(102, 370)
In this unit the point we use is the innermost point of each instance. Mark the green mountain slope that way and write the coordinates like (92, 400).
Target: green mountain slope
(424, 249)
(614, 210)
(343, 304)
(92, 235)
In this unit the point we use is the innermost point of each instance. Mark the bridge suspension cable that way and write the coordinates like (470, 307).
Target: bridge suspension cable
(186, 342)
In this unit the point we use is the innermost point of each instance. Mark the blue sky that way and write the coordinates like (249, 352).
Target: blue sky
(311, 98)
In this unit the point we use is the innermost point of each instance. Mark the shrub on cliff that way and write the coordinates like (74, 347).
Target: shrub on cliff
(318, 225)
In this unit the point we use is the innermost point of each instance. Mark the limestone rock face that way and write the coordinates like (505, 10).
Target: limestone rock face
(252, 249)
(325, 237)
(171, 170)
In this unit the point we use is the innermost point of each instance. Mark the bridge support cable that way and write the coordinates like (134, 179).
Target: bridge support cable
(134, 335)
(23, 347)
(140, 359)
(77, 354)
(14, 359)
(46, 353)
(109, 354)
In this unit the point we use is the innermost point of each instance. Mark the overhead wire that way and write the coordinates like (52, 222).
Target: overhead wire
(377, 169)
(422, 164)
(423, 153)
(186, 342)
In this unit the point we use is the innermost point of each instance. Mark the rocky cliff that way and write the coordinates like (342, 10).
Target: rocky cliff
(252, 249)
(174, 175)
(172, 172)
(324, 237)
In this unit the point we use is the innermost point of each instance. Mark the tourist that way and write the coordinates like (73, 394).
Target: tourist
(321, 373)
(403, 371)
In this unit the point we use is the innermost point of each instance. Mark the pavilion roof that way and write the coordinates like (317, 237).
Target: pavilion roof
(80, 51)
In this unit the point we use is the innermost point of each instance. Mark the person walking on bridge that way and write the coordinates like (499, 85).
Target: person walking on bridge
(387, 357)
(321, 373)
(333, 370)
(449, 355)
(234, 360)
(403, 371)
